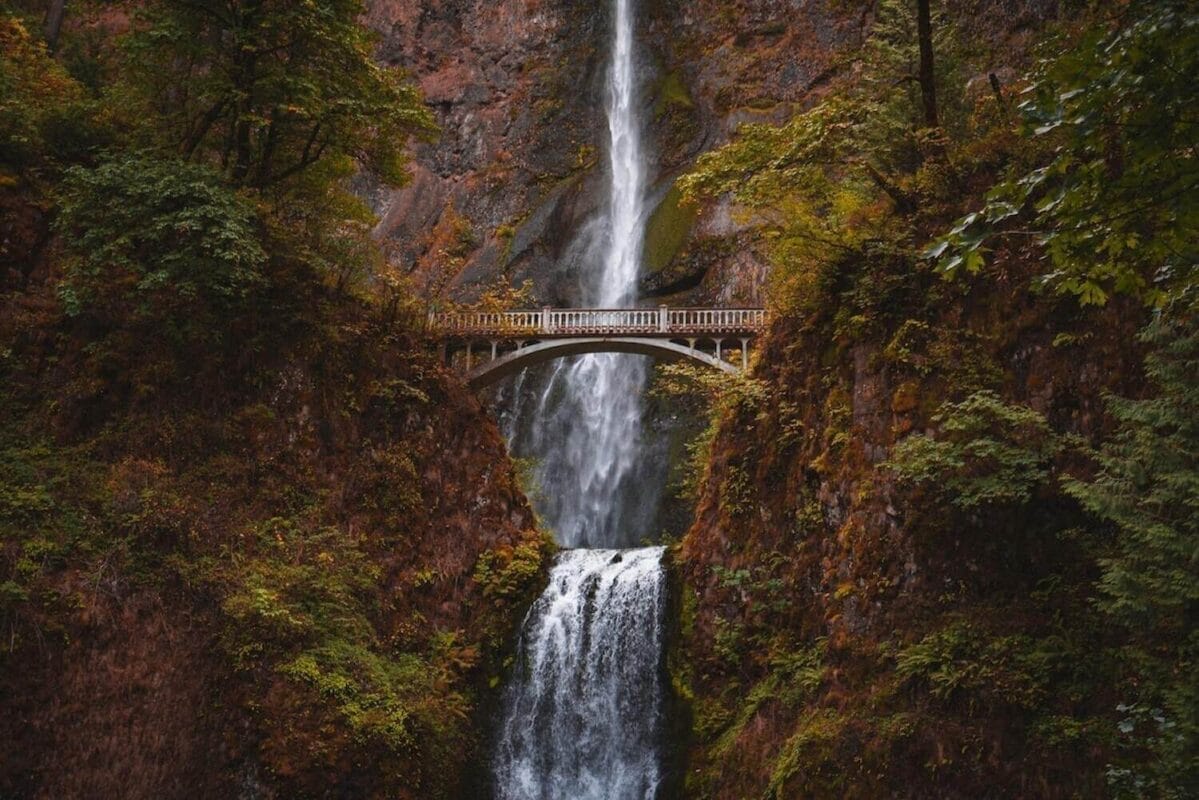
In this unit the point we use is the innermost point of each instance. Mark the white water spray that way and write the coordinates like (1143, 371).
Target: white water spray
(584, 711)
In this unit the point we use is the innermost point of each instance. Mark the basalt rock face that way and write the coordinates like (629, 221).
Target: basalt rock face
(515, 87)
(517, 172)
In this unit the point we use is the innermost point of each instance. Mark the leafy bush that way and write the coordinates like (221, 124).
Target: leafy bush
(1115, 202)
(157, 239)
(986, 453)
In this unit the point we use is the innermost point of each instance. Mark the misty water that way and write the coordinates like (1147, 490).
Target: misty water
(583, 710)
(584, 424)
(583, 715)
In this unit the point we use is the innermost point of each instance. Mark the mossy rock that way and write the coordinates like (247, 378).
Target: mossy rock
(672, 93)
(906, 398)
(668, 229)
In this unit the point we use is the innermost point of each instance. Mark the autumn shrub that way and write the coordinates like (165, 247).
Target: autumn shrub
(302, 603)
(36, 97)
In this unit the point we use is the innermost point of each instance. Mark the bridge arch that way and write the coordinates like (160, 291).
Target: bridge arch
(511, 362)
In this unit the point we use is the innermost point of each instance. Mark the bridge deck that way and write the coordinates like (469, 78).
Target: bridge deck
(661, 322)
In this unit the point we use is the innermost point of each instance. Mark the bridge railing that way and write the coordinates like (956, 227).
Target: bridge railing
(599, 321)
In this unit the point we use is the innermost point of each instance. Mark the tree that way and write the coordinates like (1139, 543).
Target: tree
(1147, 489)
(1114, 201)
(267, 89)
(158, 241)
(827, 182)
(53, 25)
(928, 74)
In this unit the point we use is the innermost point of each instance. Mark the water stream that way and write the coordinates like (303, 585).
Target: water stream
(583, 711)
(585, 425)
(583, 715)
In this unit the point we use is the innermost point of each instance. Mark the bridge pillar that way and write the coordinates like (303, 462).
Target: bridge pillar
(744, 355)
(718, 343)
(691, 343)
(494, 344)
(663, 319)
(545, 319)
(469, 361)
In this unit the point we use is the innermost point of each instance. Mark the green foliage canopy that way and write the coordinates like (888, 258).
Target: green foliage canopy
(827, 184)
(157, 239)
(1116, 206)
(269, 88)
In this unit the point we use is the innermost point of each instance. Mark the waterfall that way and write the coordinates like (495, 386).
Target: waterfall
(586, 428)
(583, 714)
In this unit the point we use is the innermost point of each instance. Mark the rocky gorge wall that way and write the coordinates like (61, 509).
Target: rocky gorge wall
(842, 634)
(847, 636)
(293, 567)
(518, 92)
(299, 585)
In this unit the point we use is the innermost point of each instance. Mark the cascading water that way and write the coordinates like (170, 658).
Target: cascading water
(583, 713)
(587, 425)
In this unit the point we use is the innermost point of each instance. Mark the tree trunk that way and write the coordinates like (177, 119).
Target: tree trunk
(928, 75)
(53, 26)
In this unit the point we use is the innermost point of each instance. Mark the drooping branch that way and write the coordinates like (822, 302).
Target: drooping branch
(307, 158)
(903, 201)
(206, 122)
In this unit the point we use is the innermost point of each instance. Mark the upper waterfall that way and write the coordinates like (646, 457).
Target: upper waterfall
(618, 279)
(598, 486)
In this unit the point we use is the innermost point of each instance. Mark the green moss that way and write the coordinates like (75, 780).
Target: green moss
(672, 93)
(667, 230)
(810, 747)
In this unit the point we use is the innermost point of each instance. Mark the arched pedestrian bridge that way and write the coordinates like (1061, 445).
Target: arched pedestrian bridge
(487, 345)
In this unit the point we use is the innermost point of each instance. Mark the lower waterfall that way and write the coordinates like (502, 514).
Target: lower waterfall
(583, 715)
